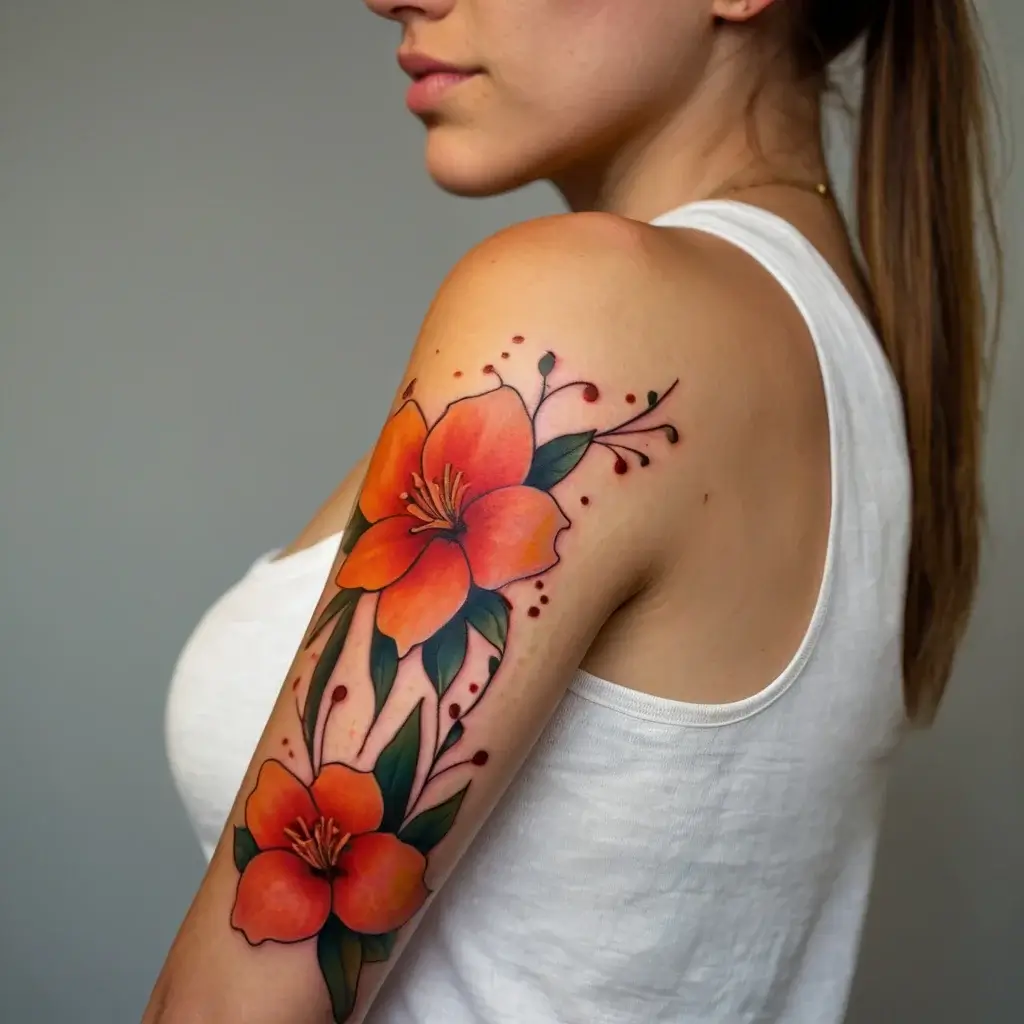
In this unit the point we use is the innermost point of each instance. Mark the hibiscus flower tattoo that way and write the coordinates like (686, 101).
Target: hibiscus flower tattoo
(450, 513)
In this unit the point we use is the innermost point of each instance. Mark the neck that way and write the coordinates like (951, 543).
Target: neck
(722, 136)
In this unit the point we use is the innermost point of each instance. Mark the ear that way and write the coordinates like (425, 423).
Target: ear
(738, 10)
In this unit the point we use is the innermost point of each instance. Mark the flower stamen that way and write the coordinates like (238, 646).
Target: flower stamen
(320, 846)
(437, 504)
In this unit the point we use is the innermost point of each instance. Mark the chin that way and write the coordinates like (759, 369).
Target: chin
(472, 168)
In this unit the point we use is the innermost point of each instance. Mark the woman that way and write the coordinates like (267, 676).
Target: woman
(671, 527)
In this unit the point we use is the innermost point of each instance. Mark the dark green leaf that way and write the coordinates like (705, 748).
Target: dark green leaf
(245, 847)
(493, 664)
(546, 364)
(453, 737)
(487, 613)
(652, 398)
(444, 653)
(325, 666)
(356, 526)
(556, 459)
(383, 667)
(340, 954)
(396, 768)
(377, 948)
(331, 609)
(426, 830)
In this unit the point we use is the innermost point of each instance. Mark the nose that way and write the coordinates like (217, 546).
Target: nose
(405, 12)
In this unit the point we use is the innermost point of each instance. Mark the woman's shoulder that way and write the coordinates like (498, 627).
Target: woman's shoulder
(623, 293)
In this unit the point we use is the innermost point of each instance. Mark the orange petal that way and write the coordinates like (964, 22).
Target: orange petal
(426, 597)
(394, 460)
(278, 802)
(351, 798)
(488, 438)
(383, 553)
(380, 883)
(510, 534)
(280, 899)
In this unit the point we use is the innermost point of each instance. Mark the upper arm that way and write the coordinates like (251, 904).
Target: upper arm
(521, 489)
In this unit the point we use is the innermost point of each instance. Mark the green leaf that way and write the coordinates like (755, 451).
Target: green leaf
(652, 398)
(339, 952)
(383, 667)
(493, 664)
(444, 653)
(377, 948)
(325, 666)
(487, 613)
(396, 768)
(557, 458)
(245, 847)
(331, 609)
(453, 737)
(426, 830)
(546, 364)
(356, 526)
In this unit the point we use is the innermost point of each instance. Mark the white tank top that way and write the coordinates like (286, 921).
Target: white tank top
(654, 861)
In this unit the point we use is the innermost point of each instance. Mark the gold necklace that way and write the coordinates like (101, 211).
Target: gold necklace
(820, 188)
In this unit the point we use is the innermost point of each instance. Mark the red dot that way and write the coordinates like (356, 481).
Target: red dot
(480, 758)
(544, 598)
(488, 368)
(584, 500)
(457, 373)
(533, 612)
(621, 466)
(631, 398)
(504, 355)
(437, 351)
(539, 584)
(473, 687)
(314, 656)
(291, 753)
(339, 694)
(454, 711)
(590, 393)
(518, 340)
(284, 742)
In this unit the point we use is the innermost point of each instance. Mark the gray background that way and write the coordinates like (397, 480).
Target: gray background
(216, 243)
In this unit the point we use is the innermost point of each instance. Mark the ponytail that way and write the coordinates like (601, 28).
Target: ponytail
(922, 182)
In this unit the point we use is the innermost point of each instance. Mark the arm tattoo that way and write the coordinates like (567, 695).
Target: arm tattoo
(449, 514)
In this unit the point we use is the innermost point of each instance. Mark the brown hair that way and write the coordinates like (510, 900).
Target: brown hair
(923, 177)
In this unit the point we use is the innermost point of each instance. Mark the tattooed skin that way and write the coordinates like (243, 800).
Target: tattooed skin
(450, 513)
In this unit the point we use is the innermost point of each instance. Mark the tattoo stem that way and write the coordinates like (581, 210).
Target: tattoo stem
(645, 460)
(640, 415)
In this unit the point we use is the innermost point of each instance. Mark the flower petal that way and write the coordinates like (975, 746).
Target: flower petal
(353, 799)
(280, 899)
(426, 597)
(380, 883)
(488, 438)
(278, 802)
(383, 553)
(510, 535)
(394, 460)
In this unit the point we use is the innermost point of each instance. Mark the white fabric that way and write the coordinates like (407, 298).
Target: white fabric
(654, 861)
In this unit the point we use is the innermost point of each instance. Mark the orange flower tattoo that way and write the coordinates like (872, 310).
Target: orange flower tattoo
(449, 508)
(449, 515)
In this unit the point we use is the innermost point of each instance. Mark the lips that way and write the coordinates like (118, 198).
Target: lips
(418, 65)
(432, 79)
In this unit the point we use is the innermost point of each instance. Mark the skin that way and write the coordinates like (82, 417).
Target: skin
(710, 561)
